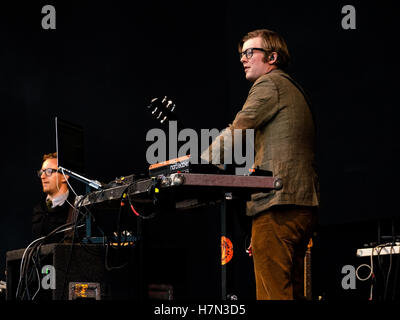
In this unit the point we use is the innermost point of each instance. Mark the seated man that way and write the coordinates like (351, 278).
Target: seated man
(56, 208)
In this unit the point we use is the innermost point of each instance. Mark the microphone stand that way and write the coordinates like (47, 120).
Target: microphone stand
(93, 183)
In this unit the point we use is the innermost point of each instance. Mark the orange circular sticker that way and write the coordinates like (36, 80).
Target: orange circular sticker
(226, 250)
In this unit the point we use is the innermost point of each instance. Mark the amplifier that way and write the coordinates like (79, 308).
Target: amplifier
(110, 273)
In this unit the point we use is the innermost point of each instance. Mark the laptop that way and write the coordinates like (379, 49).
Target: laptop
(70, 146)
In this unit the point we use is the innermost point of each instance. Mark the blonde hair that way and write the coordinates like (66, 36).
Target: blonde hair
(49, 156)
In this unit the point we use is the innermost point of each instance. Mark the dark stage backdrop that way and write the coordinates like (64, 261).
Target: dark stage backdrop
(104, 62)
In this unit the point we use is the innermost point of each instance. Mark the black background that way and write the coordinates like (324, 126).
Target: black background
(105, 61)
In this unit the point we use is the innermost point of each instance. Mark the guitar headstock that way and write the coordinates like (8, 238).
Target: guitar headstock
(163, 109)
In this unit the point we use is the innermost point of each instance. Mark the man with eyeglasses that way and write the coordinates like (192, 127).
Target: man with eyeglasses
(283, 220)
(56, 207)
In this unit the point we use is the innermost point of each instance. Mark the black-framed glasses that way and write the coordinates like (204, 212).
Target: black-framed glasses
(249, 52)
(48, 172)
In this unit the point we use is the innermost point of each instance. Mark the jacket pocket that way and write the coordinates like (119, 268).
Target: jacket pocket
(262, 195)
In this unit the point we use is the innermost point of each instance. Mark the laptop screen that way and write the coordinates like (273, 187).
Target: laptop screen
(70, 145)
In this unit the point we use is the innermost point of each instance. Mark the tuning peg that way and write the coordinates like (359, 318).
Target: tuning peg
(151, 102)
(170, 106)
(159, 116)
(165, 118)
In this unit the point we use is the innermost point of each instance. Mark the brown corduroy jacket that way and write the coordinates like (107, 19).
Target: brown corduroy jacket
(284, 135)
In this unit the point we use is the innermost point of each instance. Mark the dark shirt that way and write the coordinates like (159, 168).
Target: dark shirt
(45, 220)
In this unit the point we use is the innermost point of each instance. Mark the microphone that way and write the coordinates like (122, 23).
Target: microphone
(93, 183)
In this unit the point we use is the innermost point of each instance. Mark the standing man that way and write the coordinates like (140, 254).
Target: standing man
(283, 220)
(56, 208)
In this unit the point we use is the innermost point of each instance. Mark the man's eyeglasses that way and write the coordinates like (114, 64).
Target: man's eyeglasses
(48, 172)
(249, 52)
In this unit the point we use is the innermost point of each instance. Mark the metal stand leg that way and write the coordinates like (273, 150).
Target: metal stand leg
(223, 234)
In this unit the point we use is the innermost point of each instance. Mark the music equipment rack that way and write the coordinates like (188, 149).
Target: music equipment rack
(183, 184)
(143, 188)
(379, 250)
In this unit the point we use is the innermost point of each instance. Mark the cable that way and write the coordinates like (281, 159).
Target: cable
(395, 283)
(385, 276)
(388, 273)
(108, 268)
(378, 250)
(70, 254)
(26, 250)
(77, 236)
(37, 249)
(22, 264)
(38, 279)
(371, 267)
(134, 211)
(31, 260)
(108, 244)
(36, 259)
(152, 215)
(69, 185)
(28, 255)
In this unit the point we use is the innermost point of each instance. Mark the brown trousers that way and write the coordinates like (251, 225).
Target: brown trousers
(280, 236)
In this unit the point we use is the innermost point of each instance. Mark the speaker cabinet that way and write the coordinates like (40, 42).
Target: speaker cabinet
(99, 272)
